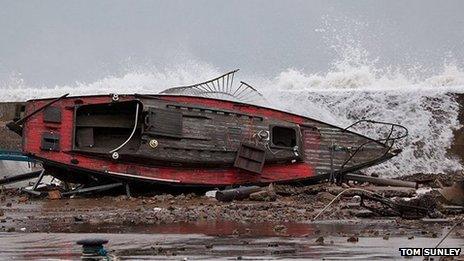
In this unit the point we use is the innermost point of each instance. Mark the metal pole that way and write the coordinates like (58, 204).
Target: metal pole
(331, 162)
(128, 190)
(39, 179)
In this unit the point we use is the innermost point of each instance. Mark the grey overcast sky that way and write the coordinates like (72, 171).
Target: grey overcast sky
(59, 42)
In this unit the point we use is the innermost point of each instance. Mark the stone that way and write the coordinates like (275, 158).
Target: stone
(23, 199)
(324, 197)
(344, 185)
(352, 239)
(364, 213)
(320, 240)
(280, 228)
(263, 195)
(54, 194)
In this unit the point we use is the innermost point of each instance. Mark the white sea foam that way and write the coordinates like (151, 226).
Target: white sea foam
(430, 115)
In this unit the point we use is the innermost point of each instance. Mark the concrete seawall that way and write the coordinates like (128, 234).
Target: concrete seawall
(8, 112)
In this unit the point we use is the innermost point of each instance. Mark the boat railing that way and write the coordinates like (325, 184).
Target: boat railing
(389, 141)
(221, 87)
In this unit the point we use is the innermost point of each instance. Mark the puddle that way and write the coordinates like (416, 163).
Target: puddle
(213, 241)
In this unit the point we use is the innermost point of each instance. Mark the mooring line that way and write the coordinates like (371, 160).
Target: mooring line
(336, 197)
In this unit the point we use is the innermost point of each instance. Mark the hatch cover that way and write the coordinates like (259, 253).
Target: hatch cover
(250, 157)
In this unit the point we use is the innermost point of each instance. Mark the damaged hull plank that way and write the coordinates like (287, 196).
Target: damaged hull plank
(186, 140)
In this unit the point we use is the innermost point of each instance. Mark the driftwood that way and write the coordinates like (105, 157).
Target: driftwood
(381, 190)
(380, 181)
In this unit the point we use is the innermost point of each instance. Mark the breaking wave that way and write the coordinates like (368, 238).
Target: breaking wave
(428, 108)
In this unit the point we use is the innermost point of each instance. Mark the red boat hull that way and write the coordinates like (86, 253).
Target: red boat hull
(66, 163)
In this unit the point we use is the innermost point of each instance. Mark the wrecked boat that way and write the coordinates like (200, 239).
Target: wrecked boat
(204, 135)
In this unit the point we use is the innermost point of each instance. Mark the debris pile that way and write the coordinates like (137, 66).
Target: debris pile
(368, 197)
(275, 204)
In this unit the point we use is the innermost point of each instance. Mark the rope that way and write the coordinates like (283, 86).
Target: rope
(336, 197)
(133, 131)
(459, 221)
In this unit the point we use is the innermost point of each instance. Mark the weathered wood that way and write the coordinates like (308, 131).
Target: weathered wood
(384, 191)
(204, 154)
(380, 181)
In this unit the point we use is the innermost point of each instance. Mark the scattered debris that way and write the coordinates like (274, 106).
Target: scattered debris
(324, 197)
(211, 194)
(21, 177)
(23, 199)
(280, 229)
(365, 213)
(436, 220)
(236, 194)
(78, 219)
(391, 208)
(267, 194)
(380, 181)
(54, 194)
(454, 194)
(274, 203)
(263, 195)
(381, 190)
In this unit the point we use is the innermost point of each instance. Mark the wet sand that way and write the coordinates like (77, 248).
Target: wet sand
(197, 227)
(36, 246)
(83, 214)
